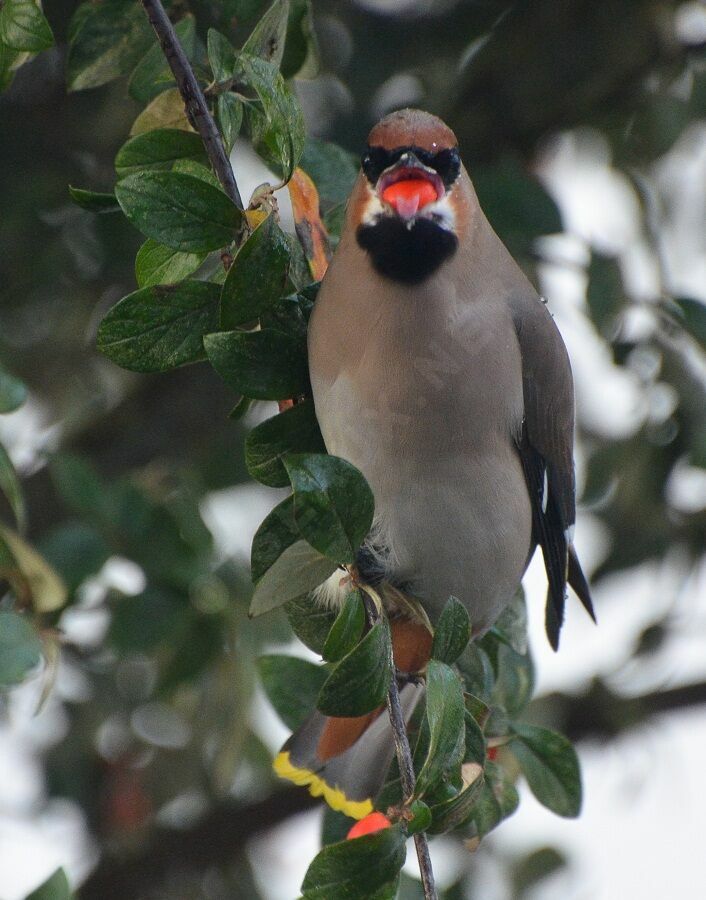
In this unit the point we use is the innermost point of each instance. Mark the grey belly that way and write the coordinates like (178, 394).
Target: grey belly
(452, 509)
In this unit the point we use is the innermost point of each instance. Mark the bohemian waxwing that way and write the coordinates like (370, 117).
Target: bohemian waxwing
(438, 371)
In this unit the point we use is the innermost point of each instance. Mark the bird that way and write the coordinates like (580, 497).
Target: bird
(438, 371)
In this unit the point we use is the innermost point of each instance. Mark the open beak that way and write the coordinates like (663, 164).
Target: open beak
(409, 186)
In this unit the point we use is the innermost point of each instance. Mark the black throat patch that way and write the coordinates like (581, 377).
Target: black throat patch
(406, 254)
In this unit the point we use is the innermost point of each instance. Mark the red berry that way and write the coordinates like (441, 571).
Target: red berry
(492, 753)
(374, 821)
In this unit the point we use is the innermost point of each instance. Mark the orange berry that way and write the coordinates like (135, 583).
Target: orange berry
(374, 821)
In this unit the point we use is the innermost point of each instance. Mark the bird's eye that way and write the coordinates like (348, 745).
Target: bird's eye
(448, 164)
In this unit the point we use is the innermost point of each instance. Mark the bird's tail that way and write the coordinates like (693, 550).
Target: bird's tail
(345, 760)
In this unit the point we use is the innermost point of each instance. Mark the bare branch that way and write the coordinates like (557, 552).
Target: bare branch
(194, 100)
(404, 761)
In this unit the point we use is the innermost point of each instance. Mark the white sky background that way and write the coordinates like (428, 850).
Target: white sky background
(641, 832)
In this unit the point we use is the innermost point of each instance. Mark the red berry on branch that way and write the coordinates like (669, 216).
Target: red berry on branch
(373, 822)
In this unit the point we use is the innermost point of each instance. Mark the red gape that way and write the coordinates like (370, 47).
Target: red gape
(410, 194)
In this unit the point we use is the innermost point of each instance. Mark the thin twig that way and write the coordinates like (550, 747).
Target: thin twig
(194, 100)
(404, 761)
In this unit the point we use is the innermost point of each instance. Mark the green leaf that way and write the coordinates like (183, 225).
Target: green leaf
(497, 800)
(268, 37)
(56, 887)
(157, 264)
(20, 648)
(13, 392)
(279, 133)
(421, 817)
(449, 814)
(198, 170)
(604, 293)
(295, 429)
(229, 110)
(292, 686)
(333, 505)
(310, 621)
(361, 680)
(221, 55)
(152, 74)
(160, 327)
(263, 365)
(257, 276)
(694, 317)
(276, 532)
(332, 169)
(76, 550)
(346, 630)
(301, 52)
(105, 42)
(158, 149)
(452, 632)
(445, 717)
(357, 869)
(178, 210)
(10, 487)
(551, 767)
(476, 749)
(94, 201)
(298, 570)
(511, 626)
(477, 671)
(23, 26)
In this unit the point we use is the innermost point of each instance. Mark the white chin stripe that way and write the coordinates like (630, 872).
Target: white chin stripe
(441, 212)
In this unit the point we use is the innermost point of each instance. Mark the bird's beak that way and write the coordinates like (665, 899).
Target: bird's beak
(409, 186)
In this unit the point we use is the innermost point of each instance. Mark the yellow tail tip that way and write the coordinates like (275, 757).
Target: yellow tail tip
(334, 796)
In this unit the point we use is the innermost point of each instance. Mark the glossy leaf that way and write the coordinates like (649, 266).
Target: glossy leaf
(356, 869)
(178, 210)
(292, 686)
(450, 813)
(445, 717)
(264, 365)
(94, 201)
(56, 887)
(105, 42)
(160, 327)
(301, 52)
(361, 680)
(551, 767)
(229, 110)
(157, 264)
(498, 799)
(333, 505)
(20, 648)
(158, 149)
(310, 622)
(24, 27)
(221, 55)
(475, 746)
(268, 37)
(152, 74)
(346, 631)
(279, 133)
(257, 276)
(276, 532)
(298, 570)
(294, 430)
(452, 632)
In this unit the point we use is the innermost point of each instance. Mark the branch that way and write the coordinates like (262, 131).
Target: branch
(194, 100)
(404, 761)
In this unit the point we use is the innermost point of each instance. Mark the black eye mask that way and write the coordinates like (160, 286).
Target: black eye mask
(447, 163)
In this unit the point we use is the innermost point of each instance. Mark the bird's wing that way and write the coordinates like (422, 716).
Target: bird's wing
(546, 451)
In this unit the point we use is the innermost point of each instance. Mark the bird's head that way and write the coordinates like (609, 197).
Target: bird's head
(405, 208)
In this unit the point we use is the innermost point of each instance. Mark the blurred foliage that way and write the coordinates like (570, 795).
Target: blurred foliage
(124, 474)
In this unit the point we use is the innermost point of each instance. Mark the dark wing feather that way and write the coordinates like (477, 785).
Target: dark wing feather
(546, 451)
